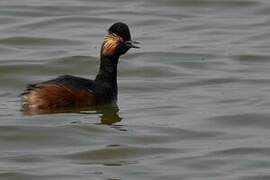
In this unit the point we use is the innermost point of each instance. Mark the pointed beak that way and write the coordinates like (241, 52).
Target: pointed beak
(132, 44)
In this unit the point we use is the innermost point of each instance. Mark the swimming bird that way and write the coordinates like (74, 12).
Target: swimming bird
(68, 91)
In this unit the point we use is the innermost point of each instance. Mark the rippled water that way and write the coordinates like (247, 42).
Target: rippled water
(193, 101)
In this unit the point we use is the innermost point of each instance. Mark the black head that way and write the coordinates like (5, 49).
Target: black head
(118, 41)
(121, 29)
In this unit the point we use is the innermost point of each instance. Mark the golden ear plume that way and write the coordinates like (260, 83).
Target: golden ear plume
(110, 43)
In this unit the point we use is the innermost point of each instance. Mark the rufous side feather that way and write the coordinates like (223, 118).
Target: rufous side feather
(57, 96)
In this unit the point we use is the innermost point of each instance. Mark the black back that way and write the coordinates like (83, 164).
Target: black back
(65, 80)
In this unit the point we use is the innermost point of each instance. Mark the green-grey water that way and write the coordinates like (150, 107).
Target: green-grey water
(193, 101)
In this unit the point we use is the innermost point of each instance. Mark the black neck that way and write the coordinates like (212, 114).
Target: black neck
(106, 79)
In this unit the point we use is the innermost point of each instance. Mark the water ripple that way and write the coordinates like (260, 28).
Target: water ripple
(193, 100)
(36, 41)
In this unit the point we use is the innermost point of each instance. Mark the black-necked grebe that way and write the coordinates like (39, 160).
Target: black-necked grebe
(70, 91)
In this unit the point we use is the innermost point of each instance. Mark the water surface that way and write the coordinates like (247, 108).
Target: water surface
(193, 101)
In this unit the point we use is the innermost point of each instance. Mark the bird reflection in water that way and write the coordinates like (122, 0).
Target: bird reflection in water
(108, 114)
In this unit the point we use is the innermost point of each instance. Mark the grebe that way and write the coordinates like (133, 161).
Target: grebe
(75, 92)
